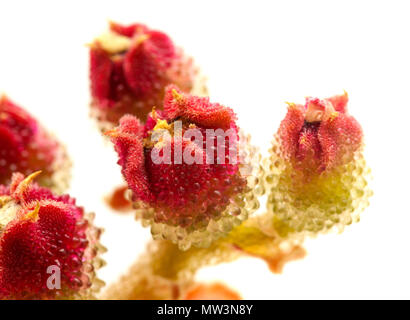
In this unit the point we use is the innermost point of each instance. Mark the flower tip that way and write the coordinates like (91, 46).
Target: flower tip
(25, 183)
(345, 93)
(34, 175)
(113, 133)
(290, 104)
(331, 116)
(176, 95)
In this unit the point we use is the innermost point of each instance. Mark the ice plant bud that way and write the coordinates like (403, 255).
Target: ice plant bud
(129, 68)
(25, 146)
(317, 173)
(188, 169)
(48, 245)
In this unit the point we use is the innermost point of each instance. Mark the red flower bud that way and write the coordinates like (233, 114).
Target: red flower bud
(316, 137)
(26, 147)
(187, 187)
(48, 245)
(317, 174)
(129, 68)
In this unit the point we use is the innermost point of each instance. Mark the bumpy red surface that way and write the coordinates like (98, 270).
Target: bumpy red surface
(30, 243)
(179, 189)
(129, 146)
(198, 110)
(320, 135)
(101, 69)
(133, 81)
(24, 144)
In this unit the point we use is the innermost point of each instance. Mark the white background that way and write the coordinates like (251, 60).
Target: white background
(256, 55)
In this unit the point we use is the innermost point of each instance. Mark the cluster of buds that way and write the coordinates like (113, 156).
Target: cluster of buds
(129, 68)
(25, 146)
(316, 173)
(192, 174)
(317, 179)
(48, 245)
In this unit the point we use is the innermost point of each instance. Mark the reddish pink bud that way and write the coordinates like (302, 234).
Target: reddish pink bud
(317, 176)
(129, 69)
(317, 136)
(41, 236)
(26, 147)
(177, 192)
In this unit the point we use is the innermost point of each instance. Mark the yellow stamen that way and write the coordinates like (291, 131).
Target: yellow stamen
(333, 115)
(33, 215)
(154, 114)
(177, 96)
(162, 124)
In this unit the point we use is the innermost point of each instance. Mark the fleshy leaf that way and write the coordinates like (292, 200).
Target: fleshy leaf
(140, 70)
(131, 159)
(340, 136)
(101, 68)
(290, 128)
